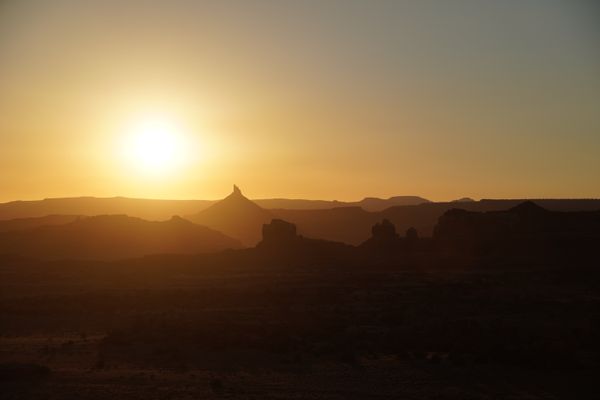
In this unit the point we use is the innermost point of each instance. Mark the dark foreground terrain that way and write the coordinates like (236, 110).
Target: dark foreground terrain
(211, 327)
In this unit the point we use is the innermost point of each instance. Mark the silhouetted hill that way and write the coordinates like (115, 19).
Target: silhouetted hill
(150, 209)
(111, 237)
(236, 216)
(524, 231)
(28, 223)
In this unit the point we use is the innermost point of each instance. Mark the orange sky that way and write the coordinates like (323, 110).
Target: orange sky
(333, 100)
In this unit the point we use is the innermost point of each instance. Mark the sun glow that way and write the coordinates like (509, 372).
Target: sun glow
(155, 145)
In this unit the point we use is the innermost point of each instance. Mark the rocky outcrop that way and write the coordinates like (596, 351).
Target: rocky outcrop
(279, 231)
(384, 238)
(384, 231)
(386, 243)
(282, 242)
(412, 235)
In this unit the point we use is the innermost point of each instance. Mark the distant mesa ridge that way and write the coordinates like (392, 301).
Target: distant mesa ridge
(463, 200)
(155, 209)
(524, 229)
(241, 218)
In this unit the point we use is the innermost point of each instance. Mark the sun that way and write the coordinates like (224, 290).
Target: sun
(155, 145)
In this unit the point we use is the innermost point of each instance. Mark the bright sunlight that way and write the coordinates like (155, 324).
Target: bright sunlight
(155, 145)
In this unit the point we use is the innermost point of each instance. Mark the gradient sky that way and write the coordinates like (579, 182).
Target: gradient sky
(314, 99)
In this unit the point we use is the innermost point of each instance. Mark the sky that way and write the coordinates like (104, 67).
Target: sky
(300, 99)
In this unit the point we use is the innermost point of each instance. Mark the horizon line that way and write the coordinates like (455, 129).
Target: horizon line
(292, 198)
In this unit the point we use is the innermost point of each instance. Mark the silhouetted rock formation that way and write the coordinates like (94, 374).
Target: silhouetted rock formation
(111, 237)
(384, 240)
(467, 226)
(235, 216)
(281, 242)
(385, 245)
(347, 222)
(524, 231)
(411, 234)
(352, 224)
(384, 230)
(279, 231)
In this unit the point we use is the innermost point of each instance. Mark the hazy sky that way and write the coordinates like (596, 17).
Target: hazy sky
(315, 99)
